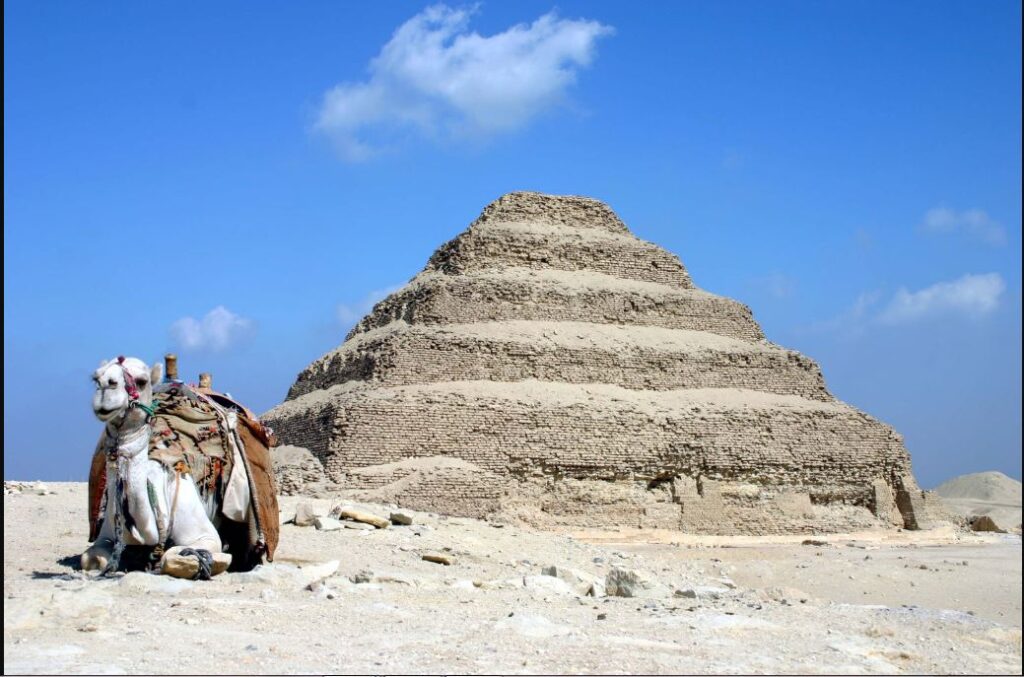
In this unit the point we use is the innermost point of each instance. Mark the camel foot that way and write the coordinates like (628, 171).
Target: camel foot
(179, 565)
(95, 558)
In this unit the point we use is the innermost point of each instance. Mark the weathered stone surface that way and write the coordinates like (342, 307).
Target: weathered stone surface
(358, 526)
(401, 517)
(581, 582)
(438, 558)
(550, 368)
(326, 524)
(621, 582)
(702, 591)
(364, 517)
(286, 575)
(985, 523)
(549, 585)
(297, 470)
(305, 515)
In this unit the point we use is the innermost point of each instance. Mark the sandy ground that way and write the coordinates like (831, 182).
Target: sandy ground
(936, 602)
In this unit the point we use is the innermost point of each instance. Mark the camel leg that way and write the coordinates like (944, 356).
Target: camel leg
(192, 530)
(99, 553)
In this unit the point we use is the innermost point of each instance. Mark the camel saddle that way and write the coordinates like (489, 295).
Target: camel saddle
(225, 450)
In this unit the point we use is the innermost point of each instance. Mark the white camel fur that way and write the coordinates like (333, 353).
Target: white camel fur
(116, 403)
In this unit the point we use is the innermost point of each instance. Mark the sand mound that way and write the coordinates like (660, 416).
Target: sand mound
(985, 493)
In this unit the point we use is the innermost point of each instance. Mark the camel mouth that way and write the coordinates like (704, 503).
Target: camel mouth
(106, 413)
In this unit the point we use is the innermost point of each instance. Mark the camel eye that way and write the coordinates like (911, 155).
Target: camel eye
(111, 381)
(140, 382)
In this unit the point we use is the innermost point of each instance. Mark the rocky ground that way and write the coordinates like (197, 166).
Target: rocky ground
(356, 599)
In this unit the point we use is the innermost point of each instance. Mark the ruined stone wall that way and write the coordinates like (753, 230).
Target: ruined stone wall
(557, 296)
(761, 438)
(559, 248)
(629, 356)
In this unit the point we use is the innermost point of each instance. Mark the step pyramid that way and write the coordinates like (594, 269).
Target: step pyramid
(548, 366)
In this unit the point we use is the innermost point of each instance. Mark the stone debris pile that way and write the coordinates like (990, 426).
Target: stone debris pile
(12, 487)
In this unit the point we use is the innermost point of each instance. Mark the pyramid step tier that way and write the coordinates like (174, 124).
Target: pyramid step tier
(582, 213)
(550, 295)
(631, 356)
(555, 247)
(536, 428)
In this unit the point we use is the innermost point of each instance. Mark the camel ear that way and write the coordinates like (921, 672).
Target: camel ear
(156, 374)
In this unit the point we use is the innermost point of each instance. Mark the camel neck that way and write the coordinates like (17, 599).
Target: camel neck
(129, 439)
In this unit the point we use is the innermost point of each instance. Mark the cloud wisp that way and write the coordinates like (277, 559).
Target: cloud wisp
(218, 330)
(437, 79)
(969, 296)
(975, 223)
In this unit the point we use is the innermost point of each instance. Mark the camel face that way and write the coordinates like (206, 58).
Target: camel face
(118, 383)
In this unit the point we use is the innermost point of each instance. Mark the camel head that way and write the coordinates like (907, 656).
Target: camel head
(122, 384)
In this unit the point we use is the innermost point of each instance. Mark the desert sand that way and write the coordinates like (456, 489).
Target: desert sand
(364, 600)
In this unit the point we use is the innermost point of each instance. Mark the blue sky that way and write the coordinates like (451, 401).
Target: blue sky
(238, 182)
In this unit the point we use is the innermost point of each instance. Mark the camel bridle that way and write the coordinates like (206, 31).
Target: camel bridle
(132, 388)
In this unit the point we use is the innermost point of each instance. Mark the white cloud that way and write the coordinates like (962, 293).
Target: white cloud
(435, 78)
(972, 295)
(217, 330)
(350, 313)
(975, 223)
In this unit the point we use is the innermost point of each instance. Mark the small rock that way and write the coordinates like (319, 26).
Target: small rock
(326, 524)
(359, 526)
(784, 595)
(549, 584)
(702, 592)
(305, 515)
(633, 583)
(401, 517)
(285, 575)
(985, 523)
(364, 576)
(602, 616)
(814, 541)
(580, 581)
(438, 558)
(365, 517)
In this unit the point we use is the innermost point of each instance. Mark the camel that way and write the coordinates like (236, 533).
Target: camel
(150, 503)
